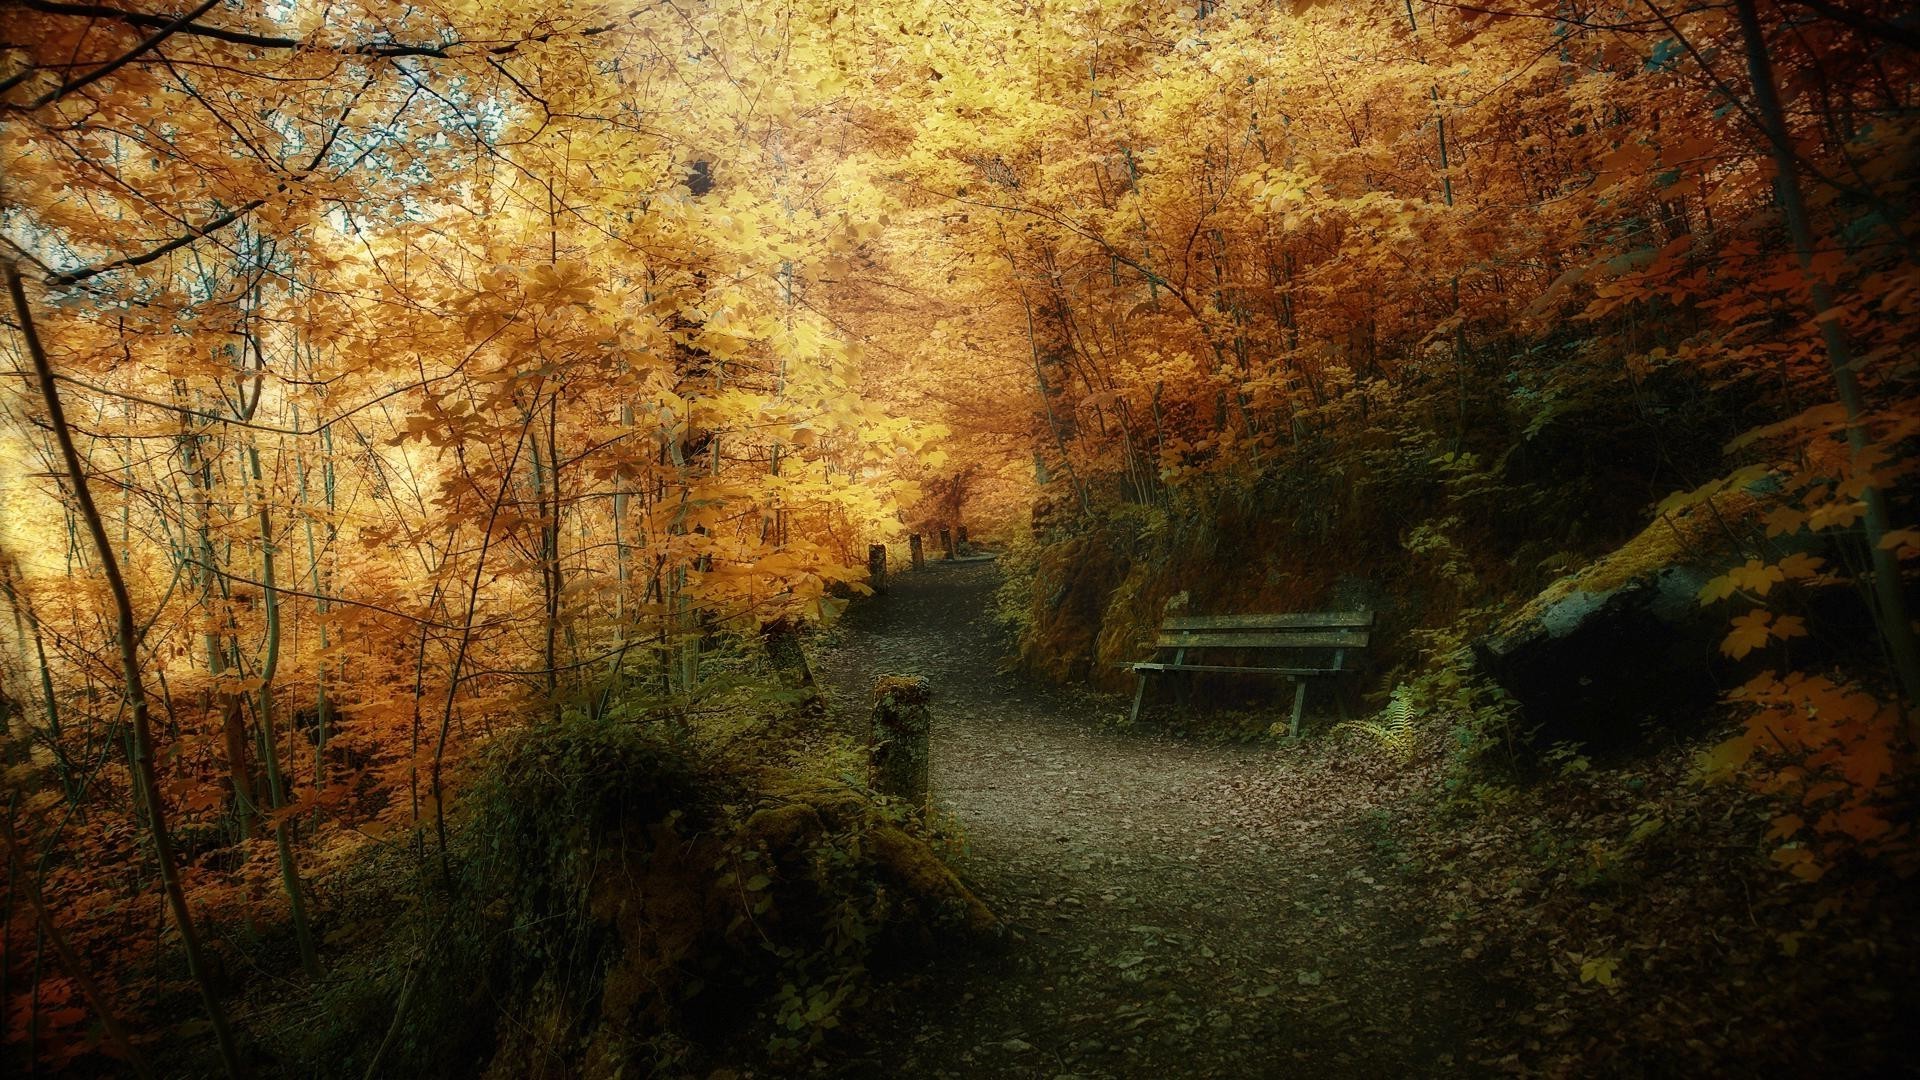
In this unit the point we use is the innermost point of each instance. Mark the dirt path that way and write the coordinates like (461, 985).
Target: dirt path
(1178, 909)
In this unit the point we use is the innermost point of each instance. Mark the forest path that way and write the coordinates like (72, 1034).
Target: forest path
(1176, 908)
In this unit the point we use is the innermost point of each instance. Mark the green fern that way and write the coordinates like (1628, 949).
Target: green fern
(1394, 729)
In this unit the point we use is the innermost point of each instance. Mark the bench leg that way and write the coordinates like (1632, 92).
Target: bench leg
(1139, 693)
(1340, 694)
(1299, 702)
(1182, 681)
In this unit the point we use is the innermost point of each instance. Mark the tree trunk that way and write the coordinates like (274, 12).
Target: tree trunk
(269, 738)
(146, 779)
(1890, 601)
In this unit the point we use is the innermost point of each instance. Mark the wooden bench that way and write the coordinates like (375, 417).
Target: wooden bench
(1302, 647)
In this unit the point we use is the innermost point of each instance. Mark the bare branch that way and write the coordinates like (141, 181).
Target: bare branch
(166, 31)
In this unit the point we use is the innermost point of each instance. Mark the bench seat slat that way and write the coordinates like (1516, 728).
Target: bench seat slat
(1234, 669)
(1312, 620)
(1303, 639)
(1296, 639)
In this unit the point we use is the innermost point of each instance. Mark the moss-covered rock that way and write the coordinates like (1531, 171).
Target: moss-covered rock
(1600, 653)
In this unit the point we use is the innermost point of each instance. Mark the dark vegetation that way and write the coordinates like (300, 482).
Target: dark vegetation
(624, 898)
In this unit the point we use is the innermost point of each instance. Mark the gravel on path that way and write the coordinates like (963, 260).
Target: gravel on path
(1176, 909)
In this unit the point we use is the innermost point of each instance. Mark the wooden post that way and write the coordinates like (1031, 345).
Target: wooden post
(919, 555)
(946, 540)
(960, 540)
(781, 640)
(877, 567)
(897, 752)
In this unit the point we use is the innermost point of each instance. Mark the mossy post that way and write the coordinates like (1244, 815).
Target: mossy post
(897, 751)
(960, 540)
(946, 541)
(877, 567)
(918, 552)
(781, 640)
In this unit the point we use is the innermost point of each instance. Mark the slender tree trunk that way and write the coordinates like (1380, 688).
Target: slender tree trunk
(1890, 601)
(25, 618)
(557, 589)
(460, 651)
(1046, 401)
(549, 545)
(323, 707)
(622, 566)
(269, 738)
(147, 781)
(233, 723)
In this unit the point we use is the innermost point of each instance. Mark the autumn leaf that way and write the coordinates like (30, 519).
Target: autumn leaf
(1726, 757)
(1785, 826)
(1599, 969)
(1904, 541)
(1783, 520)
(1757, 577)
(1750, 632)
(1860, 823)
(1799, 862)
(1836, 515)
(1718, 588)
(1800, 565)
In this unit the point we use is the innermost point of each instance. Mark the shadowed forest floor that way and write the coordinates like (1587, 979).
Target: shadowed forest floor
(1175, 908)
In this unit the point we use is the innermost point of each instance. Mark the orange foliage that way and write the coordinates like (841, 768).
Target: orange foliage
(438, 364)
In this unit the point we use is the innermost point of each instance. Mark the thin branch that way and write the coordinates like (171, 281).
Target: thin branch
(187, 25)
(342, 600)
(166, 31)
(385, 50)
(1863, 23)
(74, 277)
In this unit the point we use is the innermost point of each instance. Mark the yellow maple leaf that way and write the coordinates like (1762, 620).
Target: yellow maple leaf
(1749, 633)
(1800, 863)
(1756, 576)
(1836, 515)
(1904, 541)
(1727, 757)
(1717, 589)
(1801, 565)
(1783, 520)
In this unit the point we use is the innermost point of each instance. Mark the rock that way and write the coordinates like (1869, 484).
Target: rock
(1626, 640)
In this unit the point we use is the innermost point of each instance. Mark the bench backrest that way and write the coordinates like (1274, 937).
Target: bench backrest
(1300, 630)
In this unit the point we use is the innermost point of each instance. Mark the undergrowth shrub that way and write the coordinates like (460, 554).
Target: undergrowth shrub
(621, 903)
(1395, 729)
